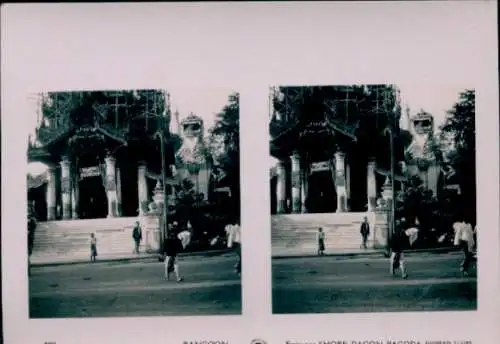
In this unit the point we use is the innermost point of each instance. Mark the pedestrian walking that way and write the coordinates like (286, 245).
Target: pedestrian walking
(137, 236)
(93, 247)
(397, 261)
(365, 232)
(172, 247)
(464, 239)
(320, 238)
(233, 233)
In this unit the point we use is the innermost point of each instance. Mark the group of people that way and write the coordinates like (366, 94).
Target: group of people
(176, 242)
(464, 238)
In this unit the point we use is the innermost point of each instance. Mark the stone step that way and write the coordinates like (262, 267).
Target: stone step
(296, 232)
(72, 238)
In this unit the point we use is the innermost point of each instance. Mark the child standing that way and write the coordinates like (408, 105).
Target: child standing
(365, 232)
(321, 242)
(93, 247)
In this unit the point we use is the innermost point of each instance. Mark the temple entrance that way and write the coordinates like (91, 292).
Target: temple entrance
(93, 201)
(322, 197)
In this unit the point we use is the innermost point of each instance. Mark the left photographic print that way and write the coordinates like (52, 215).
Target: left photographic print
(134, 203)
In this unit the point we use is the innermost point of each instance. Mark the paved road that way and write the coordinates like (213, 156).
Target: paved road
(330, 285)
(210, 287)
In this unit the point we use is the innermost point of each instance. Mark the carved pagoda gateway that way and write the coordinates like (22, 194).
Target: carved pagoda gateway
(333, 147)
(333, 150)
(103, 153)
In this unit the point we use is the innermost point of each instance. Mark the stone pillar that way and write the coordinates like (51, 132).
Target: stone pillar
(296, 188)
(75, 198)
(381, 228)
(111, 185)
(281, 187)
(66, 188)
(340, 182)
(304, 189)
(52, 194)
(118, 192)
(152, 222)
(371, 186)
(142, 187)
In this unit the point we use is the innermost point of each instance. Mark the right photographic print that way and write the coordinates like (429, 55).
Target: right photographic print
(373, 198)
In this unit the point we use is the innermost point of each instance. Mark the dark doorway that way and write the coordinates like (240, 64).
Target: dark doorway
(93, 202)
(274, 198)
(129, 188)
(358, 201)
(322, 197)
(37, 199)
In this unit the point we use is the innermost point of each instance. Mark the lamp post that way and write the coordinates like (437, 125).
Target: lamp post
(393, 203)
(163, 177)
(390, 131)
(161, 134)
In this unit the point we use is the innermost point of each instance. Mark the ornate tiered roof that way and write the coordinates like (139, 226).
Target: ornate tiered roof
(192, 118)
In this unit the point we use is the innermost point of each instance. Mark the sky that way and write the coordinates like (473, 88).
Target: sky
(434, 99)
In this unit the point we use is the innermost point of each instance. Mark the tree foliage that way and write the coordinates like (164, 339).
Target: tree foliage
(419, 206)
(224, 141)
(436, 215)
(415, 202)
(459, 128)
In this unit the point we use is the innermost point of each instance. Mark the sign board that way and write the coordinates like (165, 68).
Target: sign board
(89, 172)
(320, 166)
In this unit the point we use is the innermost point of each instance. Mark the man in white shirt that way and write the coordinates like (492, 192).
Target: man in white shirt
(234, 242)
(464, 238)
(185, 238)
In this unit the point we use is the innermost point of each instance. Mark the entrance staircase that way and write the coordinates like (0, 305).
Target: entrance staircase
(70, 240)
(295, 234)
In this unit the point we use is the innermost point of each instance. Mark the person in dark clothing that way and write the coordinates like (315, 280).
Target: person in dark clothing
(137, 236)
(31, 239)
(396, 245)
(321, 241)
(172, 247)
(93, 247)
(365, 232)
(31, 234)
